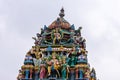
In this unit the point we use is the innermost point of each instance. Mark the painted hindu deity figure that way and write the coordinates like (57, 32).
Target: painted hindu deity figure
(53, 65)
(65, 69)
(38, 56)
(59, 53)
(57, 36)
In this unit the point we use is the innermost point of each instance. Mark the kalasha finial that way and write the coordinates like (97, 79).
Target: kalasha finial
(62, 13)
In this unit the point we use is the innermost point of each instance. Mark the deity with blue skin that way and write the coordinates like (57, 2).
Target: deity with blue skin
(80, 74)
(36, 73)
(36, 76)
(27, 74)
(72, 74)
(82, 58)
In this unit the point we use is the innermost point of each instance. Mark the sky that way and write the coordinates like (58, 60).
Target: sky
(20, 20)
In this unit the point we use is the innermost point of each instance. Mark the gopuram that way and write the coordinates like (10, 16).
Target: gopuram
(59, 53)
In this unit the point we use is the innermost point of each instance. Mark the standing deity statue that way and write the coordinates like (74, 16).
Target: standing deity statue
(77, 39)
(38, 55)
(72, 58)
(82, 43)
(36, 73)
(64, 70)
(53, 66)
(87, 74)
(42, 71)
(57, 36)
(80, 74)
(71, 74)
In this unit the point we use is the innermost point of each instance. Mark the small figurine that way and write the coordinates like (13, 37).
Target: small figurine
(23, 71)
(20, 75)
(87, 74)
(82, 43)
(73, 51)
(38, 39)
(53, 66)
(57, 36)
(27, 72)
(72, 61)
(81, 58)
(93, 74)
(31, 71)
(78, 31)
(71, 74)
(41, 31)
(77, 39)
(80, 74)
(38, 55)
(72, 58)
(77, 72)
(64, 69)
(28, 59)
(36, 73)
(42, 71)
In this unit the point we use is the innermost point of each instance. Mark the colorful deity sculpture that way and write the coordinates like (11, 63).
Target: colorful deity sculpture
(59, 53)
(71, 74)
(65, 69)
(42, 71)
(38, 39)
(28, 59)
(81, 58)
(81, 74)
(36, 73)
(72, 58)
(20, 75)
(53, 66)
(87, 74)
(37, 59)
(57, 36)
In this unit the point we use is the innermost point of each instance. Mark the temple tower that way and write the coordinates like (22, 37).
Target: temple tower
(59, 53)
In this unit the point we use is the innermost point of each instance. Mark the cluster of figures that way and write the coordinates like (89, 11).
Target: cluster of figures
(37, 66)
(59, 36)
(42, 62)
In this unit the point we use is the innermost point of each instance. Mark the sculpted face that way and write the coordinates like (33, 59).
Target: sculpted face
(54, 57)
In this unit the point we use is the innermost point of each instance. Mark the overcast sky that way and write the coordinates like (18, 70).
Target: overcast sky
(22, 19)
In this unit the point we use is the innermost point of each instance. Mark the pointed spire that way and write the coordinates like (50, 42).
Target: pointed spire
(61, 14)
